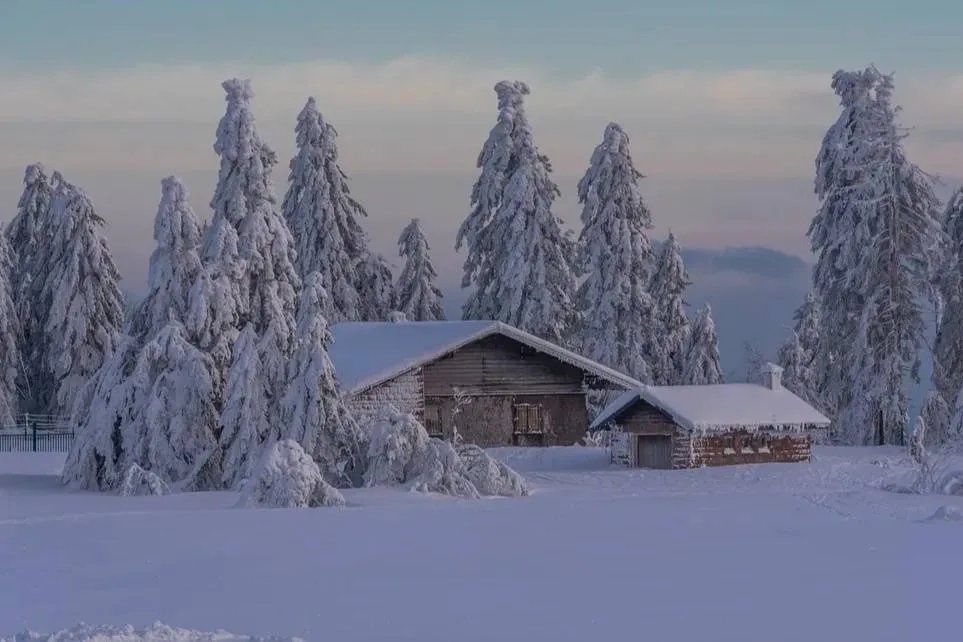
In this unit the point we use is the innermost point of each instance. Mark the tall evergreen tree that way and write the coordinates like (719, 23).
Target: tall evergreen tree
(262, 278)
(175, 263)
(11, 362)
(323, 216)
(86, 311)
(797, 355)
(948, 344)
(416, 294)
(671, 333)
(152, 403)
(313, 409)
(833, 233)
(519, 261)
(899, 228)
(702, 356)
(28, 234)
(615, 307)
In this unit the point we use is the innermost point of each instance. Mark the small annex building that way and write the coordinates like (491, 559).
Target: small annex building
(500, 386)
(711, 425)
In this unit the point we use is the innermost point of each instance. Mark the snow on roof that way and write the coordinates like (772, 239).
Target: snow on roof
(366, 354)
(719, 407)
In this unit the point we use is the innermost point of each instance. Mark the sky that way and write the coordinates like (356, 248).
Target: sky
(725, 102)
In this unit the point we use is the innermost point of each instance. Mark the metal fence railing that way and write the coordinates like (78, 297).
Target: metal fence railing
(37, 433)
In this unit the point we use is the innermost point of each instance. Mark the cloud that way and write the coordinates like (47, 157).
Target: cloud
(430, 114)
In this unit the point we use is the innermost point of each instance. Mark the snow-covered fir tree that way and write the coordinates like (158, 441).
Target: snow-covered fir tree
(520, 262)
(797, 355)
(669, 282)
(947, 380)
(152, 405)
(618, 327)
(27, 233)
(261, 277)
(323, 216)
(834, 234)
(175, 263)
(416, 294)
(313, 408)
(11, 362)
(376, 287)
(702, 354)
(899, 229)
(85, 308)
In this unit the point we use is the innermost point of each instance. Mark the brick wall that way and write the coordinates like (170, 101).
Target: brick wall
(404, 393)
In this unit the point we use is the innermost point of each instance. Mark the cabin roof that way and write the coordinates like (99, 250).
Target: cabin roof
(719, 407)
(366, 354)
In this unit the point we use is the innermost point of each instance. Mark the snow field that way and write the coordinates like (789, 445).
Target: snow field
(779, 551)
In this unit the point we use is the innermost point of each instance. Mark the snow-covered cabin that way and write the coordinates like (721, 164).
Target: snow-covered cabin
(711, 425)
(515, 389)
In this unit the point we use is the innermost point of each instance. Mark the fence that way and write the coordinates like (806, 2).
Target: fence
(37, 433)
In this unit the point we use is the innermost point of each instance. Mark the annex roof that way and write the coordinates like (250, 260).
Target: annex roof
(719, 407)
(366, 354)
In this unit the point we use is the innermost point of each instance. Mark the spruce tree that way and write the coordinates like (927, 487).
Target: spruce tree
(840, 177)
(11, 362)
(175, 263)
(376, 287)
(261, 278)
(313, 408)
(416, 294)
(520, 261)
(899, 228)
(323, 216)
(797, 355)
(85, 308)
(948, 344)
(152, 404)
(671, 333)
(618, 323)
(28, 234)
(702, 355)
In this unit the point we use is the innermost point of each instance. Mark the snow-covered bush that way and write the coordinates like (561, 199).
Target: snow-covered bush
(139, 482)
(490, 476)
(400, 453)
(437, 468)
(287, 477)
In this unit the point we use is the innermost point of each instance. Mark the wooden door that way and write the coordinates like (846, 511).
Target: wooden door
(653, 451)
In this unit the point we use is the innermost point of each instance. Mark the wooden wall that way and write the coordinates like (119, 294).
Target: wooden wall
(498, 365)
(496, 373)
(764, 446)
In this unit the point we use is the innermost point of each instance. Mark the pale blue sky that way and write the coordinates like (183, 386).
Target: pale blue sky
(563, 36)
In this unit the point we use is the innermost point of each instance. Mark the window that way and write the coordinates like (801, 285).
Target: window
(528, 419)
(433, 422)
(762, 442)
(729, 445)
(746, 443)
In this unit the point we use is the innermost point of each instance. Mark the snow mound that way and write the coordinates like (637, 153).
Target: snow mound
(490, 476)
(400, 453)
(287, 477)
(158, 632)
(945, 514)
(138, 482)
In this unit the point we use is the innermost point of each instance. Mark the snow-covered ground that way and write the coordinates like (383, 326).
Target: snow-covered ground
(786, 552)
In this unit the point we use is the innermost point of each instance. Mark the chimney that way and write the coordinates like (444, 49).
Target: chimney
(772, 376)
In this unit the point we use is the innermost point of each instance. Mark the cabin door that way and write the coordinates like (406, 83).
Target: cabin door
(653, 451)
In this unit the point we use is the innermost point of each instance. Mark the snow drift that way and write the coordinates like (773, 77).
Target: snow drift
(158, 632)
